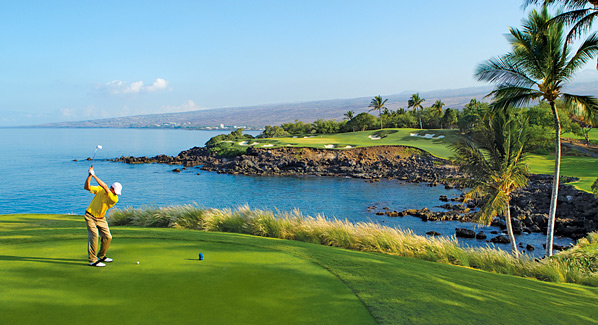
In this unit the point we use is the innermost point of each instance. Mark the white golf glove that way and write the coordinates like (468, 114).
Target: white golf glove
(92, 173)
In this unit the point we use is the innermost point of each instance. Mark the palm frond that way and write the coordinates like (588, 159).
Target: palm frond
(571, 4)
(582, 23)
(583, 106)
(493, 204)
(587, 51)
(503, 70)
(507, 95)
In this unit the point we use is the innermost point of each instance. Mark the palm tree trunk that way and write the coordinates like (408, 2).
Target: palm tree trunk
(510, 231)
(380, 119)
(555, 180)
(419, 114)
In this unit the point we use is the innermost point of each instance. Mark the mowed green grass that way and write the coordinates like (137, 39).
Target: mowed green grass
(47, 279)
(437, 146)
(593, 135)
(246, 279)
(584, 168)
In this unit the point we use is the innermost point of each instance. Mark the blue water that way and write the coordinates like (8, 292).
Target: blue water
(39, 175)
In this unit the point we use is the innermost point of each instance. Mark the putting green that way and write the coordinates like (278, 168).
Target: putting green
(51, 282)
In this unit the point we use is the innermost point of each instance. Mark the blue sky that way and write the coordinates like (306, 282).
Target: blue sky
(79, 60)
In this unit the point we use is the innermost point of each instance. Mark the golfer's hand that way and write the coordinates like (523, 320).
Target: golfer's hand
(91, 172)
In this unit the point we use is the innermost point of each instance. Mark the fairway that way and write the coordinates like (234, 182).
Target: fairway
(233, 284)
(434, 141)
(584, 168)
(253, 280)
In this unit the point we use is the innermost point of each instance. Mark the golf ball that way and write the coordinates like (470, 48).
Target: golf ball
(137, 262)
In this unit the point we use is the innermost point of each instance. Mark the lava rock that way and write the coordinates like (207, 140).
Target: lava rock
(464, 233)
(501, 239)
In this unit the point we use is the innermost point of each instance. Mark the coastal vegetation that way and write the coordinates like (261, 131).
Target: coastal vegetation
(368, 237)
(540, 63)
(433, 118)
(494, 167)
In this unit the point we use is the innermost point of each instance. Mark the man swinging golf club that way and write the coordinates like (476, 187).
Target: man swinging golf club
(105, 198)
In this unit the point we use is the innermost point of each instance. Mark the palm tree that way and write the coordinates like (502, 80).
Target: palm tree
(538, 66)
(350, 115)
(377, 104)
(415, 102)
(437, 106)
(494, 163)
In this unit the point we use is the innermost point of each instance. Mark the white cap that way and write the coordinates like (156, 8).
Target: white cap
(117, 188)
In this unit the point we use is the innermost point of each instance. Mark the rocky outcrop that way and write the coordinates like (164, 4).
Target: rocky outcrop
(577, 211)
(576, 214)
(393, 162)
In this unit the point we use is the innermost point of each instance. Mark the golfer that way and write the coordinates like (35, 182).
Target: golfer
(105, 198)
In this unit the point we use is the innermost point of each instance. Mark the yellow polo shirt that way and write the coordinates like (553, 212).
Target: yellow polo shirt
(101, 202)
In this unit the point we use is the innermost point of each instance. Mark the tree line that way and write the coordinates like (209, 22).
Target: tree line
(436, 117)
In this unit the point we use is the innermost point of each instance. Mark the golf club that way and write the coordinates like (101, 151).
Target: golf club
(94, 153)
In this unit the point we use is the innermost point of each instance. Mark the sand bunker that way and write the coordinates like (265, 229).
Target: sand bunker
(246, 143)
(329, 146)
(268, 145)
(374, 137)
(427, 136)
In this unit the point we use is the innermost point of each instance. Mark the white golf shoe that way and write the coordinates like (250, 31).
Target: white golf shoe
(97, 264)
(106, 259)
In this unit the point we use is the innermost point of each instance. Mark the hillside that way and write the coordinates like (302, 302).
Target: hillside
(252, 117)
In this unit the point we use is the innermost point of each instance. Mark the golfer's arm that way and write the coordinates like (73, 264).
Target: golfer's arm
(87, 185)
(102, 184)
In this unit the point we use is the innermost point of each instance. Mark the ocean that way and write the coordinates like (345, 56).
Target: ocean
(43, 170)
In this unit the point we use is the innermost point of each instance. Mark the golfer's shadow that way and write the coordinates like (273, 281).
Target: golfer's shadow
(54, 260)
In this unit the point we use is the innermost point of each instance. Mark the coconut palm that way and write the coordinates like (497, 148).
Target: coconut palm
(579, 15)
(437, 107)
(537, 68)
(415, 102)
(494, 164)
(377, 104)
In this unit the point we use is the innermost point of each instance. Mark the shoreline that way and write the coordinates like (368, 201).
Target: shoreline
(577, 214)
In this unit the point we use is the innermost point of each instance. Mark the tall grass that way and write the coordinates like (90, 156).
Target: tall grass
(579, 265)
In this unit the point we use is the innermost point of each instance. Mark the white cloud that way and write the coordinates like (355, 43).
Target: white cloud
(159, 84)
(117, 87)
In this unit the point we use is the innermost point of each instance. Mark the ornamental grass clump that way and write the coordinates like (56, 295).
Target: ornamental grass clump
(577, 265)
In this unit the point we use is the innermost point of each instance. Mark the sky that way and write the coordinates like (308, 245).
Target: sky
(81, 60)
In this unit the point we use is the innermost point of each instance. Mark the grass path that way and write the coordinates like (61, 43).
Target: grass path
(246, 279)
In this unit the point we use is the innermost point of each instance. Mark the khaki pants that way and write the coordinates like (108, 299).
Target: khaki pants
(97, 226)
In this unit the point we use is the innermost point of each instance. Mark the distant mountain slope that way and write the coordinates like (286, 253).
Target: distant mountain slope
(276, 114)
